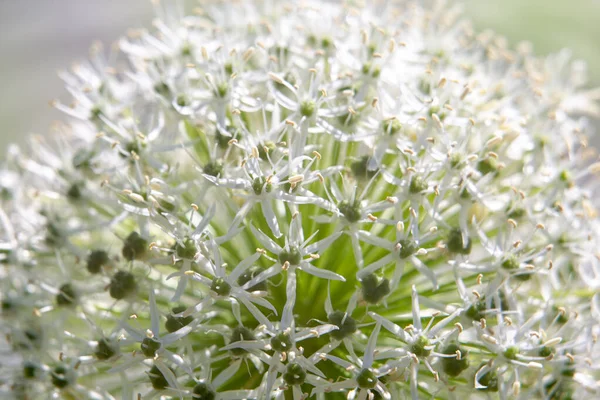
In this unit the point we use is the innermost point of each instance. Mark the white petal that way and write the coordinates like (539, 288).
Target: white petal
(314, 332)
(205, 302)
(261, 302)
(245, 344)
(271, 378)
(236, 395)
(380, 387)
(237, 183)
(341, 362)
(263, 276)
(241, 214)
(321, 273)
(440, 325)
(390, 326)
(328, 305)
(352, 303)
(335, 386)
(374, 240)
(299, 199)
(208, 215)
(416, 312)
(296, 234)
(369, 269)
(177, 360)
(298, 395)
(358, 257)
(167, 373)
(323, 219)
(322, 244)
(133, 333)
(260, 317)
(181, 285)
(370, 349)
(270, 217)
(137, 359)
(414, 391)
(243, 266)
(201, 278)
(306, 364)
(178, 334)
(226, 374)
(235, 309)
(287, 318)
(316, 356)
(336, 133)
(423, 269)
(218, 261)
(154, 314)
(266, 241)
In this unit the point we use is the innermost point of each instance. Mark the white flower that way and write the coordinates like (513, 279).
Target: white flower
(366, 378)
(277, 182)
(420, 342)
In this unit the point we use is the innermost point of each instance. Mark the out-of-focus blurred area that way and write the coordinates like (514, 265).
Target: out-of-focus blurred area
(39, 37)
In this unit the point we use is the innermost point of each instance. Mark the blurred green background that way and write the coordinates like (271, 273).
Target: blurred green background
(39, 37)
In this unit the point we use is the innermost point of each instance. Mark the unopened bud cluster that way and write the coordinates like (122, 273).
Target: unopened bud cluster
(281, 200)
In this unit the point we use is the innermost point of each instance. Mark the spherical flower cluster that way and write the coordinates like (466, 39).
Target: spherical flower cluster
(293, 200)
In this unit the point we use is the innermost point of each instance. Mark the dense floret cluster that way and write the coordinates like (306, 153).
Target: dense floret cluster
(272, 200)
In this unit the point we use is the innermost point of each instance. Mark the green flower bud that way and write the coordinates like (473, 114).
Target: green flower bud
(62, 376)
(488, 165)
(420, 347)
(360, 170)
(157, 379)
(96, 260)
(134, 247)
(292, 256)
(240, 333)
(545, 351)
(453, 366)
(31, 370)
(150, 346)
(74, 193)
(122, 285)
(162, 89)
(511, 352)
(259, 184)
(187, 249)
(203, 392)
(174, 323)
(366, 379)
(294, 374)
(345, 323)
(213, 169)
(391, 126)
(222, 89)
(417, 185)
(281, 342)
(250, 274)
(488, 379)
(374, 289)
(455, 243)
(308, 108)
(105, 349)
(220, 287)
(67, 296)
(407, 248)
(351, 211)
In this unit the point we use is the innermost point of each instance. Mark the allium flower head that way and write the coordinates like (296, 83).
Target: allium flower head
(293, 200)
